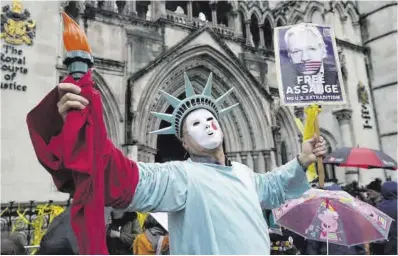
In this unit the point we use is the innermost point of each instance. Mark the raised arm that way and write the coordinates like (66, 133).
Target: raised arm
(290, 180)
(62, 150)
(286, 182)
(69, 137)
(67, 129)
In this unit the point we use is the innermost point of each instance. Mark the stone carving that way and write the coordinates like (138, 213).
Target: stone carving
(148, 13)
(16, 26)
(275, 106)
(202, 16)
(343, 115)
(179, 10)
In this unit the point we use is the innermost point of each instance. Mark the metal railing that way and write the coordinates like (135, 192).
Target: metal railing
(18, 218)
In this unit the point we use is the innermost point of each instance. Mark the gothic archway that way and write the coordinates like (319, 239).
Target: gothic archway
(288, 144)
(112, 114)
(246, 128)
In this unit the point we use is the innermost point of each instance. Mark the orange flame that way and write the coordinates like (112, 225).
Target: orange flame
(74, 38)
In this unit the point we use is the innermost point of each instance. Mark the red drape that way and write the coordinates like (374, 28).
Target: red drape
(80, 158)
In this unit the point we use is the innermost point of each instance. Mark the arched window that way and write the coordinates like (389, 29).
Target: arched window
(280, 23)
(224, 13)
(254, 31)
(203, 9)
(173, 6)
(142, 8)
(298, 21)
(268, 35)
(242, 24)
(120, 6)
(317, 17)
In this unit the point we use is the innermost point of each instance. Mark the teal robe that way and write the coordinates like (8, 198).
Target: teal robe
(216, 209)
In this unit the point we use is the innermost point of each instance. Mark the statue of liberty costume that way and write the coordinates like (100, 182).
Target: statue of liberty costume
(213, 208)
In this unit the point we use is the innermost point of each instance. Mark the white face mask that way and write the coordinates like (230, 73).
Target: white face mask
(204, 128)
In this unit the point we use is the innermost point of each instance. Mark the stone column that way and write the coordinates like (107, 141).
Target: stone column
(237, 22)
(130, 8)
(278, 140)
(92, 3)
(248, 33)
(110, 5)
(343, 116)
(269, 164)
(131, 151)
(129, 66)
(238, 158)
(158, 9)
(243, 155)
(250, 162)
(255, 161)
(261, 31)
(189, 10)
(262, 168)
(213, 6)
(299, 113)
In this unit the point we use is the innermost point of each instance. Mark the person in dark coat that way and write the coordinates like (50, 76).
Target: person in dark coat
(11, 245)
(320, 248)
(122, 232)
(283, 241)
(59, 238)
(388, 205)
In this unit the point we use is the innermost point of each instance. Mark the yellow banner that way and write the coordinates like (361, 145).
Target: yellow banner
(308, 131)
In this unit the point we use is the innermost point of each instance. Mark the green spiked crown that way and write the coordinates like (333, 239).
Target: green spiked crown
(192, 102)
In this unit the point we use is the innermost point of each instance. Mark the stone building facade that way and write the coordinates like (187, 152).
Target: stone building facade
(140, 47)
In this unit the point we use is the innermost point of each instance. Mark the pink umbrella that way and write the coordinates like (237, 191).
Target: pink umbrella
(333, 216)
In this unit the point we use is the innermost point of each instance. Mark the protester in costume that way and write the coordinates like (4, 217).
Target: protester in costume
(211, 201)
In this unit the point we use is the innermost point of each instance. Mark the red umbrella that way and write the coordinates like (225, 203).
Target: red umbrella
(360, 157)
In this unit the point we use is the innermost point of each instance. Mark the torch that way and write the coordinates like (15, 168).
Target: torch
(78, 56)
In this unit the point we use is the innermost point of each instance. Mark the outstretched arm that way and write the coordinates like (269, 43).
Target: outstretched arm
(161, 188)
(288, 181)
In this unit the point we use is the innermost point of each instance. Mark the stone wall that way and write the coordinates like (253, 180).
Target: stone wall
(379, 27)
(23, 178)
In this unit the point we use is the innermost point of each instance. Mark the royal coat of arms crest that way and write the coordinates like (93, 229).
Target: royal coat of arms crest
(16, 26)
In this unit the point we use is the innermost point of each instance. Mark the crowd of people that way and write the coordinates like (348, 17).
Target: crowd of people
(126, 236)
(380, 195)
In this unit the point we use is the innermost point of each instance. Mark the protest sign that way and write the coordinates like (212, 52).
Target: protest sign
(307, 64)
